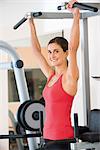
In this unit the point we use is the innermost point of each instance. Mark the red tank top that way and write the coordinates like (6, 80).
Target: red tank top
(57, 125)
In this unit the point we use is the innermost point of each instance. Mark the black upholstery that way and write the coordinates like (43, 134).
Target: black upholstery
(90, 137)
(91, 133)
(94, 119)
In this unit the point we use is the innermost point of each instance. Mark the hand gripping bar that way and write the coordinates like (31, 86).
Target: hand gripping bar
(34, 14)
(80, 6)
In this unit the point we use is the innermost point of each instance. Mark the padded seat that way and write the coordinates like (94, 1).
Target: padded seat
(90, 137)
(93, 130)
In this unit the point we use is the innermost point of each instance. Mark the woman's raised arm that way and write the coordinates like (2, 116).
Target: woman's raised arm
(41, 61)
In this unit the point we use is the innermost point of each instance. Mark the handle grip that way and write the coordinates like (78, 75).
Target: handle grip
(20, 23)
(85, 7)
(34, 14)
(80, 6)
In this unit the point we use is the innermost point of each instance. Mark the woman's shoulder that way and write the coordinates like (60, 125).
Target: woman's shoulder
(51, 73)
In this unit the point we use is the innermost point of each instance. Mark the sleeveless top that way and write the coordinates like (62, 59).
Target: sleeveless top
(57, 124)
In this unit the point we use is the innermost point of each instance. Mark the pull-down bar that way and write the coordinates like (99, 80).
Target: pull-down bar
(80, 6)
(56, 15)
(34, 14)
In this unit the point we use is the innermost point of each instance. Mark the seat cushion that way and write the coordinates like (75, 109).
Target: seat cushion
(90, 137)
(83, 129)
(94, 120)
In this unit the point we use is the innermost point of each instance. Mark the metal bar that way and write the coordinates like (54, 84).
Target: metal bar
(94, 4)
(36, 14)
(66, 15)
(56, 15)
(85, 69)
(19, 73)
(20, 81)
(20, 136)
(80, 6)
(87, 14)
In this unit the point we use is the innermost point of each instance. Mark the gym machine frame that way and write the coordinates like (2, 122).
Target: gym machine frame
(17, 65)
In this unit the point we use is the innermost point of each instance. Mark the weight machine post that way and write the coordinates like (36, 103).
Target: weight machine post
(85, 69)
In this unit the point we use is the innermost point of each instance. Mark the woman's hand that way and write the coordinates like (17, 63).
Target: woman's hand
(29, 17)
(75, 11)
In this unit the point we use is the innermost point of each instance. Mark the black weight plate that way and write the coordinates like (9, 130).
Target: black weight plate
(23, 113)
(19, 112)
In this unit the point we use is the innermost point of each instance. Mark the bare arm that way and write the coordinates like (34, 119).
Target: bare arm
(34, 40)
(46, 69)
(73, 45)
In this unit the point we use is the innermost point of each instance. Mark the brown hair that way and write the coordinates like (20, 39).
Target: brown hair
(62, 42)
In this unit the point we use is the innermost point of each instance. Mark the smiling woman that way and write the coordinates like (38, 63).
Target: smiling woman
(62, 80)
(56, 47)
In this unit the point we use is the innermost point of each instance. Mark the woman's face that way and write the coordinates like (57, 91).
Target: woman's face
(56, 55)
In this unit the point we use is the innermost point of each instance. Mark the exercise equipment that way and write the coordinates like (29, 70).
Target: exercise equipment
(19, 113)
(20, 136)
(45, 15)
(34, 14)
(17, 66)
(90, 135)
(31, 115)
(80, 6)
(19, 132)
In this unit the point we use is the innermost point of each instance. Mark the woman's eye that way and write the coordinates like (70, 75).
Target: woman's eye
(56, 51)
(49, 52)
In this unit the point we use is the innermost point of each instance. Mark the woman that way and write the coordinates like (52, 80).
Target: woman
(61, 84)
